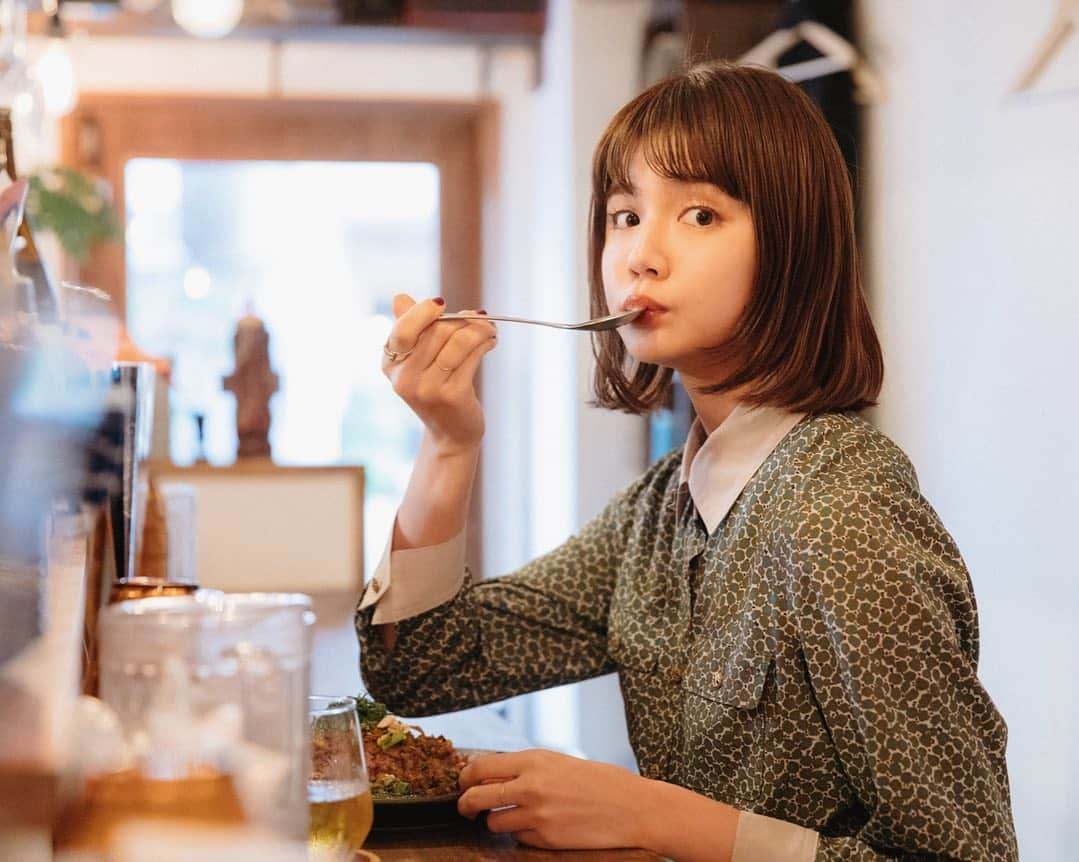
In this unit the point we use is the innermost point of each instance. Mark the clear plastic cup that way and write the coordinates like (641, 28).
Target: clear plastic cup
(247, 659)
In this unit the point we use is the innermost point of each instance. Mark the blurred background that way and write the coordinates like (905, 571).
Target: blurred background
(304, 160)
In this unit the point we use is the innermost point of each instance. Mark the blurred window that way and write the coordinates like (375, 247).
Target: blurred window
(316, 250)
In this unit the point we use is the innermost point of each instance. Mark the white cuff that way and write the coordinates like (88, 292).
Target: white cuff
(408, 583)
(765, 839)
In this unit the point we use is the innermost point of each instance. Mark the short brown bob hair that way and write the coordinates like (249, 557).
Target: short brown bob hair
(805, 341)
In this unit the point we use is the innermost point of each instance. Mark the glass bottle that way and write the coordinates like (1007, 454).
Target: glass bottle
(28, 260)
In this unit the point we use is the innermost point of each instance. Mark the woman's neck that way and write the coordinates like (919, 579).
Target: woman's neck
(713, 408)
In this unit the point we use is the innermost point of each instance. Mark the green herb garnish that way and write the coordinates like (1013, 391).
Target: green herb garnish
(371, 712)
(391, 738)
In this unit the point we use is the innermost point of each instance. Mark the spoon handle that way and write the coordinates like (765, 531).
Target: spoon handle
(469, 315)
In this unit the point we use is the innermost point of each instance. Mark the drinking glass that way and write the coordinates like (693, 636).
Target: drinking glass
(181, 501)
(338, 793)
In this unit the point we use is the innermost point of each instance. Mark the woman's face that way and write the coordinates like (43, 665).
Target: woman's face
(685, 252)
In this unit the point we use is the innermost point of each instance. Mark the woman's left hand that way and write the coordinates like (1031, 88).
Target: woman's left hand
(556, 801)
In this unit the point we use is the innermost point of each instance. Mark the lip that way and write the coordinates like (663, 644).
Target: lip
(649, 306)
(639, 300)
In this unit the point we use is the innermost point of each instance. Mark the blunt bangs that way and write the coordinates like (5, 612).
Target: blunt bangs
(681, 134)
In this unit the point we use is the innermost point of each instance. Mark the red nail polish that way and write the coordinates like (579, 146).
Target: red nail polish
(482, 311)
(438, 300)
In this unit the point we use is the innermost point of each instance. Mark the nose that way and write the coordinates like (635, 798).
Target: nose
(647, 257)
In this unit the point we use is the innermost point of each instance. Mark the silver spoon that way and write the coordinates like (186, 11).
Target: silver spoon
(597, 324)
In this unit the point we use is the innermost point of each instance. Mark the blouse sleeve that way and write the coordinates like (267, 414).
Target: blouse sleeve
(542, 626)
(888, 627)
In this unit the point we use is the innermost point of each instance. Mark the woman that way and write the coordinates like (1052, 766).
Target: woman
(794, 630)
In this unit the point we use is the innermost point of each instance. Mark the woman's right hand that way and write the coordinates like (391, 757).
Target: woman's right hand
(435, 370)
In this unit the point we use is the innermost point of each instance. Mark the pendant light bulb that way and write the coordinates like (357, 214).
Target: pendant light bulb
(208, 19)
(55, 72)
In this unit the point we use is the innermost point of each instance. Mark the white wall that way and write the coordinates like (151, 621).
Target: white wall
(607, 44)
(972, 216)
(581, 455)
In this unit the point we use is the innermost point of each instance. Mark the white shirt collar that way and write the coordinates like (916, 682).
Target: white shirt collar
(717, 467)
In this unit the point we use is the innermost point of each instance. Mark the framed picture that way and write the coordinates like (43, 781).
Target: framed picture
(263, 527)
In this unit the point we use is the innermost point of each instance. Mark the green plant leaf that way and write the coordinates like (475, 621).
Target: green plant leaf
(74, 207)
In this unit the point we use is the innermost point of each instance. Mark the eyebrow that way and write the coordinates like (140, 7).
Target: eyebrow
(701, 188)
(705, 186)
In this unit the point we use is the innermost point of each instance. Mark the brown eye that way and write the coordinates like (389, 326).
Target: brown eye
(625, 218)
(704, 217)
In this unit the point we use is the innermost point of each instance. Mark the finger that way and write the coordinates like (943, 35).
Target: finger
(466, 371)
(511, 820)
(482, 797)
(402, 302)
(461, 348)
(414, 320)
(433, 340)
(470, 324)
(500, 766)
(503, 766)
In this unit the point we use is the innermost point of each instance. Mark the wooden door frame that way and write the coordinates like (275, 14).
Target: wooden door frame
(108, 129)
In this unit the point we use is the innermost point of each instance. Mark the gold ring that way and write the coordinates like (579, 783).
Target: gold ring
(502, 795)
(394, 355)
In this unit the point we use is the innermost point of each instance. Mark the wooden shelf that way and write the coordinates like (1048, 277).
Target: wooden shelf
(419, 27)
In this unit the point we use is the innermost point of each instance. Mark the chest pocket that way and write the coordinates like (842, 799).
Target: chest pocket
(730, 665)
(735, 678)
(725, 720)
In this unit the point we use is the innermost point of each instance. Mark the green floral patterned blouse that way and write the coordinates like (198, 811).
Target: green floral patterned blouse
(813, 659)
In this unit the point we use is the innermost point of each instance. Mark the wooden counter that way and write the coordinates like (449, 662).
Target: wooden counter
(471, 842)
